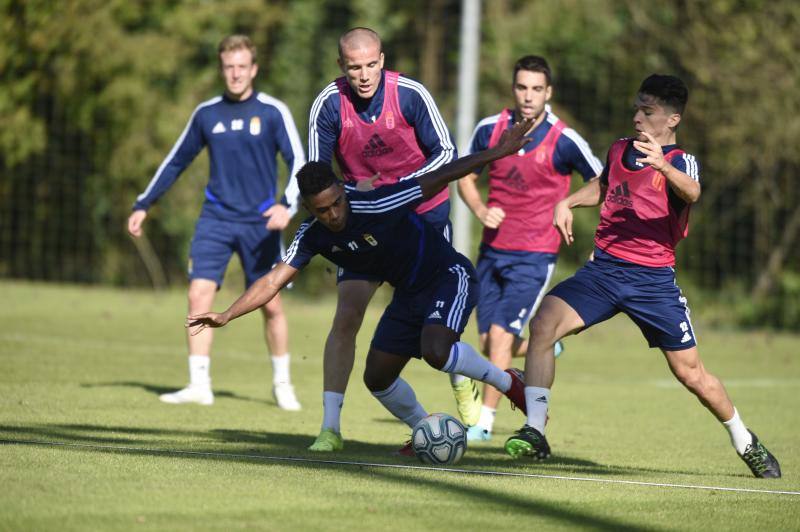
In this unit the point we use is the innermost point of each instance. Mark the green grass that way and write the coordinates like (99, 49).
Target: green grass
(84, 365)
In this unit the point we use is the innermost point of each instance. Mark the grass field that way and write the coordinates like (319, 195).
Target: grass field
(86, 445)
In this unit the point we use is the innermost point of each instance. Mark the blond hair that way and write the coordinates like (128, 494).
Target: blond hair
(237, 42)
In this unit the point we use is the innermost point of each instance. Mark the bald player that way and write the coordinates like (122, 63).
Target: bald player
(382, 128)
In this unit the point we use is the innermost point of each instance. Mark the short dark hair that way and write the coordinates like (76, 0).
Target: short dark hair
(533, 63)
(670, 91)
(314, 177)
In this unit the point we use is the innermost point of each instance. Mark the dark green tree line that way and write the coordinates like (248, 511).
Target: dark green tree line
(93, 94)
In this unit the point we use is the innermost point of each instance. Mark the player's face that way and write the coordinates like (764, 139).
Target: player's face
(651, 117)
(238, 71)
(531, 92)
(362, 67)
(330, 207)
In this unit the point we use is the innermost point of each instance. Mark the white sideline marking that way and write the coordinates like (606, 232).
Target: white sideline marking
(392, 466)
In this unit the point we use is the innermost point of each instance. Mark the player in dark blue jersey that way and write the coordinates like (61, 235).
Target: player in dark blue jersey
(373, 122)
(243, 130)
(378, 233)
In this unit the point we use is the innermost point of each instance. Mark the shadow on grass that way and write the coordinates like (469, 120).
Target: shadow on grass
(158, 390)
(523, 503)
(277, 444)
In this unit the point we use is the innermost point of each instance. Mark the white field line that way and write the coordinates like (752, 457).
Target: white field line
(256, 457)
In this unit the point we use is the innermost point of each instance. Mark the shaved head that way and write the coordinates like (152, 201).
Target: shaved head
(358, 38)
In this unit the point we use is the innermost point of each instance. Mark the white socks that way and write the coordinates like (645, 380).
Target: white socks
(400, 400)
(740, 436)
(464, 360)
(199, 366)
(280, 369)
(199, 370)
(332, 411)
(486, 421)
(536, 401)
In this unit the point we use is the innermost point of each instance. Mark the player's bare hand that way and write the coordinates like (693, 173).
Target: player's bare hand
(512, 140)
(654, 155)
(365, 185)
(212, 320)
(492, 217)
(135, 221)
(562, 220)
(278, 217)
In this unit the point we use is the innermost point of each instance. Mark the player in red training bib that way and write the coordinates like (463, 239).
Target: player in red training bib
(646, 190)
(520, 245)
(382, 128)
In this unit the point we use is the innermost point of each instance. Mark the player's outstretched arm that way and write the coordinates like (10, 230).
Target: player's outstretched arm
(259, 294)
(589, 195)
(510, 142)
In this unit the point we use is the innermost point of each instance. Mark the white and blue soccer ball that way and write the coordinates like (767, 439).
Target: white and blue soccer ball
(439, 439)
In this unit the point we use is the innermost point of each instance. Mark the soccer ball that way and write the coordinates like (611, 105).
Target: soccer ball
(439, 439)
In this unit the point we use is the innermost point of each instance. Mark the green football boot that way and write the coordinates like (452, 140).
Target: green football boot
(528, 441)
(760, 460)
(328, 441)
(468, 401)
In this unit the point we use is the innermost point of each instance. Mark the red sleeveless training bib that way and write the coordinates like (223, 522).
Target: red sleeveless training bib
(388, 145)
(637, 222)
(526, 187)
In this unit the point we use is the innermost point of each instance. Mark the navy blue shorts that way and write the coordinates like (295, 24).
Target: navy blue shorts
(448, 300)
(439, 217)
(216, 240)
(649, 296)
(512, 284)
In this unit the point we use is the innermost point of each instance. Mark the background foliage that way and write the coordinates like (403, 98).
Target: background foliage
(94, 94)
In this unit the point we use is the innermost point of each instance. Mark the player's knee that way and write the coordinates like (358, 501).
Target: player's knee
(200, 295)
(498, 339)
(435, 359)
(273, 309)
(542, 329)
(691, 377)
(436, 354)
(375, 381)
(436, 343)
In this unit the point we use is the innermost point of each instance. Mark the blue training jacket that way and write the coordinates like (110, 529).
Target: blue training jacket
(243, 139)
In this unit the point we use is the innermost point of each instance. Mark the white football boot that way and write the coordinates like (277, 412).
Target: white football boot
(201, 395)
(283, 392)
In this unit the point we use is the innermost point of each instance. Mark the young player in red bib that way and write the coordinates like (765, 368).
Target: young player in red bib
(381, 127)
(520, 245)
(647, 188)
